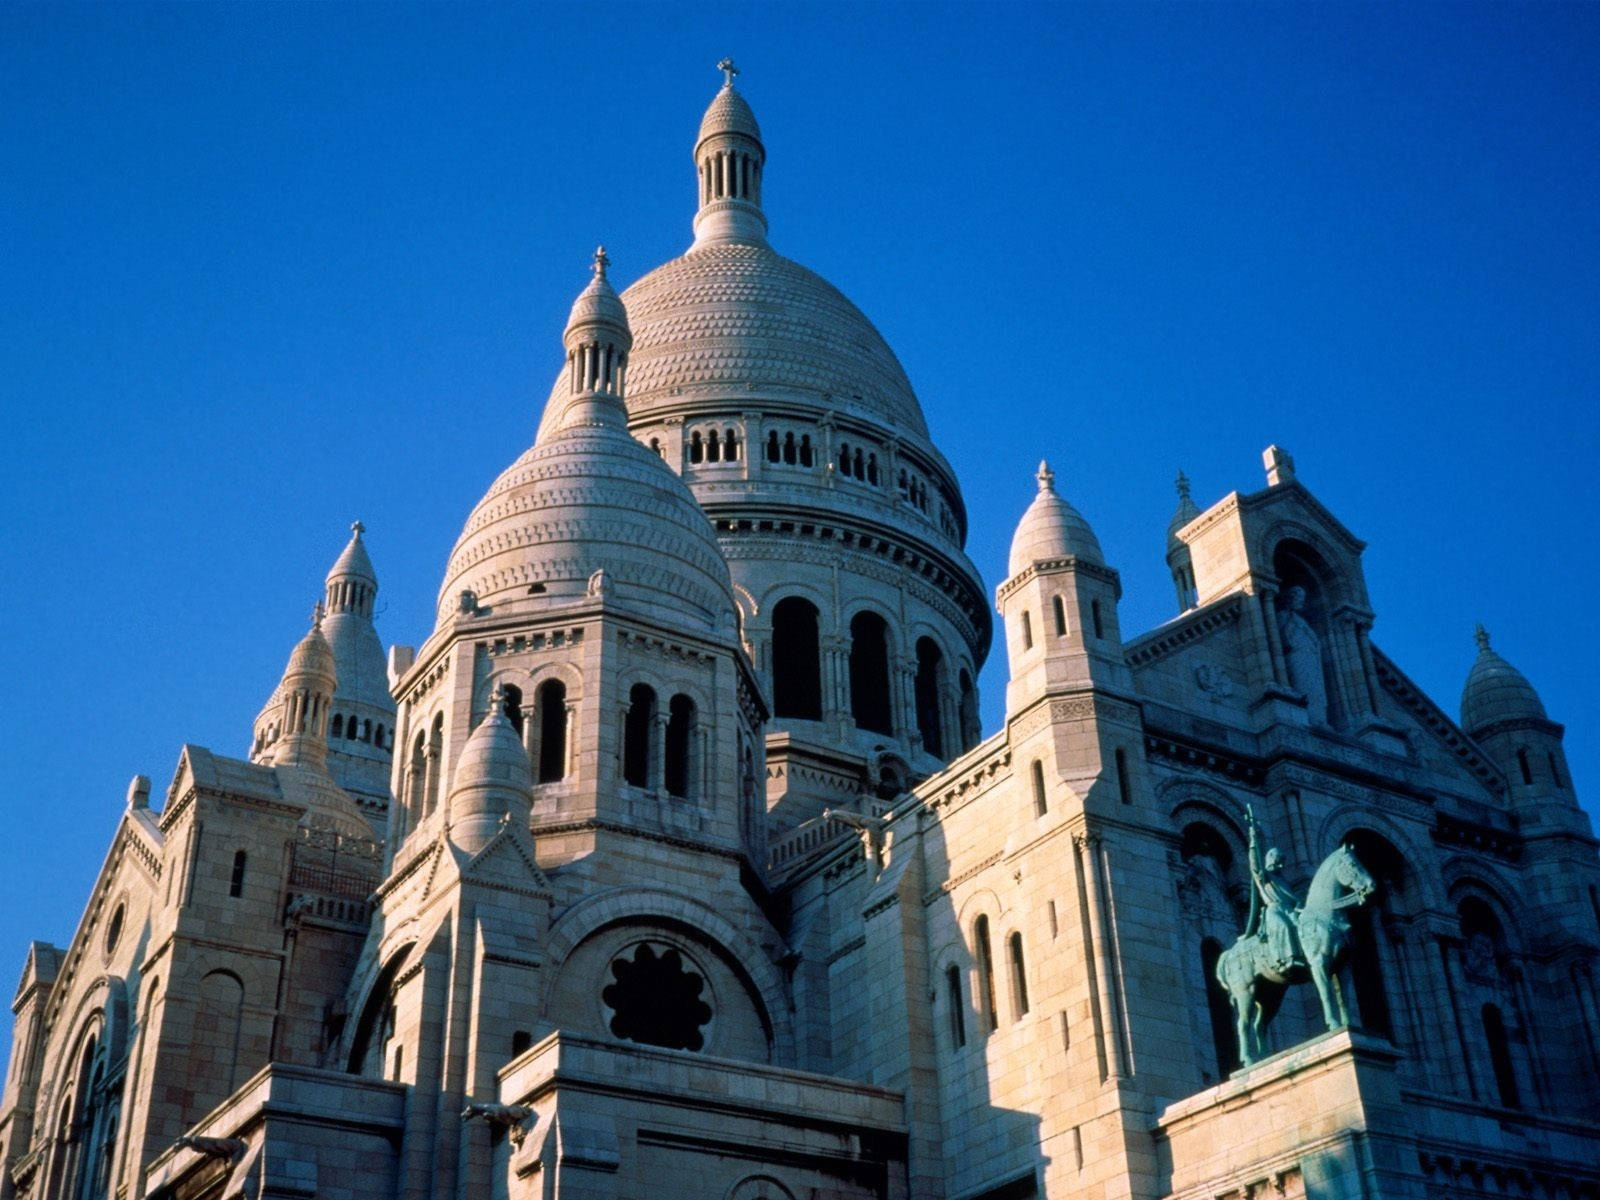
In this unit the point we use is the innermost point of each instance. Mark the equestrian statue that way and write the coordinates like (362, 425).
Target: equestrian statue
(1285, 942)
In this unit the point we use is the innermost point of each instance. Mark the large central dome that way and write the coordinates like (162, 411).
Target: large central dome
(740, 319)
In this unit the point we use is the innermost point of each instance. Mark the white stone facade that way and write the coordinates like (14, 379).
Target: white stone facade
(672, 861)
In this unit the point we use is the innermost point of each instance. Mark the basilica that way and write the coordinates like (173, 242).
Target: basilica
(674, 861)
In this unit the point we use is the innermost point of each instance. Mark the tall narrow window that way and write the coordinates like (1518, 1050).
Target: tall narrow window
(1124, 784)
(418, 777)
(806, 458)
(1019, 977)
(1555, 771)
(1060, 610)
(772, 446)
(1040, 803)
(968, 710)
(988, 1018)
(730, 446)
(1505, 1076)
(680, 743)
(511, 705)
(869, 673)
(788, 449)
(435, 757)
(929, 689)
(1094, 612)
(713, 447)
(550, 701)
(636, 732)
(1522, 761)
(958, 1006)
(796, 660)
(1027, 630)
(697, 450)
(236, 884)
(337, 728)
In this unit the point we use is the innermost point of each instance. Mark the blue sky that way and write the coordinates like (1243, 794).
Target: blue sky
(264, 270)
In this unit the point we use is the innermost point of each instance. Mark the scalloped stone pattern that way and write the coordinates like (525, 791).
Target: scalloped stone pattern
(583, 500)
(740, 320)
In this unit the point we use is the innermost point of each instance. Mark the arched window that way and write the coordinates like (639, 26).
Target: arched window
(655, 445)
(958, 1006)
(788, 449)
(678, 772)
(1505, 1076)
(1019, 977)
(713, 447)
(511, 704)
(697, 450)
(1060, 611)
(1219, 1010)
(796, 660)
(929, 689)
(337, 728)
(730, 445)
(377, 737)
(550, 705)
(636, 733)
(1555, 770)
(366, 730)
(1522, 761)
(1385, 864)
(806, 458)
(236, 882)
(869, 673)
(1027, 630)
(417, 777)
(1040, 802)
(872, 468)
(1094, 613)
(772, 446)
(844, 458)
(968, 707)
(435, 761)
(988, 1019)
(352, 728)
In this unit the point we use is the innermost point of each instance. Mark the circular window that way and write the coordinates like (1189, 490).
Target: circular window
(114, 929)
(657, 998)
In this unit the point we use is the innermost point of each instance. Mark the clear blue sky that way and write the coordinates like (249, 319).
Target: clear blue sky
(264, 270)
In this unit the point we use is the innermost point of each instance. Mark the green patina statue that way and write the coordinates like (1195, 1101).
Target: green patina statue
(1285, 942)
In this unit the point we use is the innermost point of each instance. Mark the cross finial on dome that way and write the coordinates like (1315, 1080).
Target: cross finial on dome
(1046, 477)
(1481, 635)
(602, 260)
(357, 528)
(316, 615)
(728, 71)
(1183, 485)
(497, 700)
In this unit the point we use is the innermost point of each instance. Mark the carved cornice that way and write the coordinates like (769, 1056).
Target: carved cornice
(1192, 626)
(1246, 770)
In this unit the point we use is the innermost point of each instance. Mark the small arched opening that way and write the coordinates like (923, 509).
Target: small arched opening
(869, 673)
(929, 690)
(636, 732)
(796, 660)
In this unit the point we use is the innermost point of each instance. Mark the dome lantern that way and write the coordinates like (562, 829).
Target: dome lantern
(597, 339)
(729, 159)
(304, 697)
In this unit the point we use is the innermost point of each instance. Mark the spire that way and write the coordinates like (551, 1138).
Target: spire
(352, 584)
(729, 159)
(598, 341)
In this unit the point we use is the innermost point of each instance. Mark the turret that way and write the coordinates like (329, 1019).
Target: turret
(1059, 605)
(729, 157)
(1502, 712)
(1178, 559)
(597, 339)
(293, 729)
(493, 780)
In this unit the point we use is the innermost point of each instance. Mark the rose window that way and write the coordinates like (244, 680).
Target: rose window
(656, 998)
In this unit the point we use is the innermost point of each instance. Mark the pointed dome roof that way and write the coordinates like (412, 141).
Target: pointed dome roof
(1496, 691)
(494, 755)
(1186, 512)
(1051, 528)
(354, 563)
(728, 112)
(599, 305)
(312, 655)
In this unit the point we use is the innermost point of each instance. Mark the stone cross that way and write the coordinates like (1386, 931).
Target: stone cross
(602, 260)
(728, 70)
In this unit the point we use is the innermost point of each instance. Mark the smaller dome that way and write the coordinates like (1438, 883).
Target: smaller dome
(1496, 691)
(728, 113)
(313, 655)
(1186, 512)
(1051, 528)
(599, 304)
(354, 562)
(493, 756)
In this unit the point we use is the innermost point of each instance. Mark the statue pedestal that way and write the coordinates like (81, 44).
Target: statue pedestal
(1322, 1120)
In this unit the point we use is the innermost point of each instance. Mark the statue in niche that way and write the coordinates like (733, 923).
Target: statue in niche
(1284, 943)
(1302, 653)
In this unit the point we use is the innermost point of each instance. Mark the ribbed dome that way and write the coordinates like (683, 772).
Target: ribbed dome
(493, 757)
(728, 113)
(1496, 691)
(598, 304)
(742, 321)
(584, 499)
(313, 655)
(1051, 528)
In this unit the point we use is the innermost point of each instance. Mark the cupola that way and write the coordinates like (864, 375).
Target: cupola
(493, 780)
(1496, 691)
(305, 696)
(352, 584)
(597, 339)
(729, 157)
(1051, 529)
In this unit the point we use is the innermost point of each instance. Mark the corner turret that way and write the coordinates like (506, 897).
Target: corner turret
(1178, 560)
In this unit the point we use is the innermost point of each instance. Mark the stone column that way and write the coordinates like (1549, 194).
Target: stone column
(569, 761)
(656, 773)
(1089, 854)
(1269, 616)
